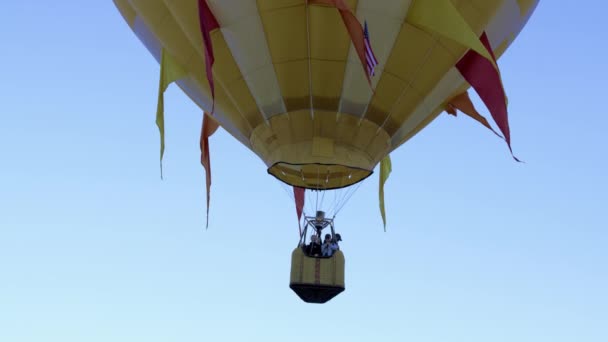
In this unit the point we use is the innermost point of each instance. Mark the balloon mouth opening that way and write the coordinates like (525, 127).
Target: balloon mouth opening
(316, 176)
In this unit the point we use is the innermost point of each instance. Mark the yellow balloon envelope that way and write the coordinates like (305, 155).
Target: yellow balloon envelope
(291, 84)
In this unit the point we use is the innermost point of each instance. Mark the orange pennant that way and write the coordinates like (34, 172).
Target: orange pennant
(464, 104)
(209, 127)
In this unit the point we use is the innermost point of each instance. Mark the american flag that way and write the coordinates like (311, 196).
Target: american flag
(370, 58)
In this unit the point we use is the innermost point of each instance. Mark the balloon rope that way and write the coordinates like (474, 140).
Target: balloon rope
(356, 187)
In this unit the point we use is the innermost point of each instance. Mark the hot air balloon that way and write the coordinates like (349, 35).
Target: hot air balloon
(323, 90)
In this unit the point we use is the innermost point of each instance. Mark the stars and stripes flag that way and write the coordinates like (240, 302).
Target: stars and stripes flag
(370, 58)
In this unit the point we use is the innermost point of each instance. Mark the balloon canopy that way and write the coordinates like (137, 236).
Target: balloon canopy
(323, 90)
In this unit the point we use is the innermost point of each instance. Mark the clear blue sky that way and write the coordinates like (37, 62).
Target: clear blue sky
(95, 247)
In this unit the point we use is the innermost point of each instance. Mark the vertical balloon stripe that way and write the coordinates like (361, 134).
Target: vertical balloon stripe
(354, 28)
(384, 21)
(242, 29)
(434, 99)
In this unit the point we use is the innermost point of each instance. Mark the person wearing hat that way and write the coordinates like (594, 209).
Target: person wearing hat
(329, 246)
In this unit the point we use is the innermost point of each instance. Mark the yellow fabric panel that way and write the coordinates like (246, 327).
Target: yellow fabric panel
(324, 124)
(449, 46)
(239, 91)
(387, 93)
(322, 147)
(356, 92)
(378, 147)
(435, 67)
(329, 39)
(346, 127)
(127, 11)
(166, 30)
(434, 60)
(351, 4)
(154, 11)
(301, 125)
(293, 81)
(329, 43)
(428, 119)
(420, 126)
(281, 130)
(269, 5)
(327, 77)
(388, 9)
(286, 33)
(478, 13)
(290, 138)
(441, 17)
(404, 60)
(403, 110)
(484, 8)
(267, 136)
(364, 134)
(431, 100)
(526, 5)
(438, 63)
(282, 134)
